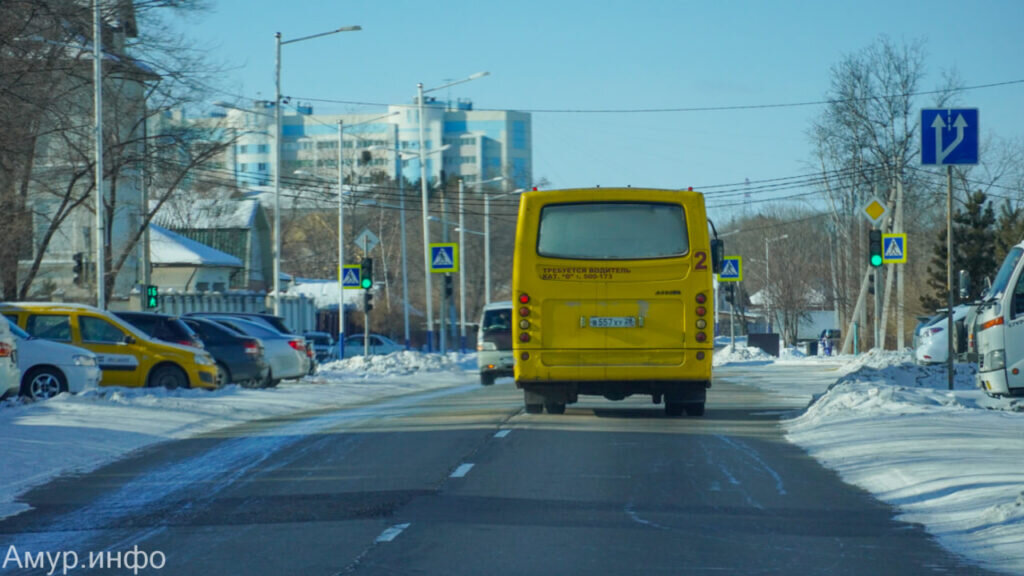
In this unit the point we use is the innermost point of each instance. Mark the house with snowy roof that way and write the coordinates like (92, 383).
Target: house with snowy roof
(182, 264)
(239, 228)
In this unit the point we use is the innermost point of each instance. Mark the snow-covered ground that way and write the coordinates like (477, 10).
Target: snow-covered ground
(951, 460)
(78, 433)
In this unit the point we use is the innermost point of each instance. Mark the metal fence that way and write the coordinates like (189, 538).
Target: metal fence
(299, 312)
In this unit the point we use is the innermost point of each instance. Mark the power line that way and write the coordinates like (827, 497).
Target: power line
(689, 108)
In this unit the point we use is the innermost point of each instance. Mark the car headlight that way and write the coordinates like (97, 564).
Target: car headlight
(204, 360)
(996, 360)
(83, 360)
(486, 346)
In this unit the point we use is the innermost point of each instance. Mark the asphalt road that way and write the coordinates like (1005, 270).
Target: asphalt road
(461, 481)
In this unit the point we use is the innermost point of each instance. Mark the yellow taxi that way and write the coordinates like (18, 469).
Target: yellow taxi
(127, 356)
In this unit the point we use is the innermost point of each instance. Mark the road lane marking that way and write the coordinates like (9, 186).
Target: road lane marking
(461, 471)
(392, 533)
(502, 433)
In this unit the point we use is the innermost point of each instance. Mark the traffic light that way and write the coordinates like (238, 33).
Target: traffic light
(78, 268)
(875, 247)
(152, 297)
(448, 285)
(367, 301)
(366, 274)
(871, 284)
(730, 293)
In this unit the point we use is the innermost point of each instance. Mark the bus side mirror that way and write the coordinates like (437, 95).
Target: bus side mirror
(717, 253)
(965, 285)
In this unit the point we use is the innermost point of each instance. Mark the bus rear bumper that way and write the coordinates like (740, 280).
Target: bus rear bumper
(675, 391)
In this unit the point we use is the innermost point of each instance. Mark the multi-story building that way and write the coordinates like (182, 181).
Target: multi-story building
(483, 144)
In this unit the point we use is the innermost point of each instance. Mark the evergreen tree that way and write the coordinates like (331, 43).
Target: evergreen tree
(974, 249)
(1009, 232)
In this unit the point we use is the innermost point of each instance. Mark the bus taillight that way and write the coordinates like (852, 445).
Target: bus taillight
(701, 311)
(701, 298)
(701, 337)
(524, 298)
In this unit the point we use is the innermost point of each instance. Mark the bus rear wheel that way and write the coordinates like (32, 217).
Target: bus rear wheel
(534, 408)
(674, 409)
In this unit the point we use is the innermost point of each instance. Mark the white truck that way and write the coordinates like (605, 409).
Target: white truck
(999, 326)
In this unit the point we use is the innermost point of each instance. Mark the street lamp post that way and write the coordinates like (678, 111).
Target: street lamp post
(426, 208)
(487, 240)
(277, 151)
(768, 277)
(399, 156)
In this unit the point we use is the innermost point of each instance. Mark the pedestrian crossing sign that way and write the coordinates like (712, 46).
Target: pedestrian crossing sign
(444, 258)
(894, 248)
(732, 269)
(350, 277)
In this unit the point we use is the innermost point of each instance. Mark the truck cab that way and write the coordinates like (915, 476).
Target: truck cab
(1000, 330)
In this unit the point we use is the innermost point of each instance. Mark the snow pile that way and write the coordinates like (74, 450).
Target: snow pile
(740, 353)
(401, 363)
(948, 459)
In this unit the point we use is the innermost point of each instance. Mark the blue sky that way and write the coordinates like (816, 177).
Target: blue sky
(642, 54)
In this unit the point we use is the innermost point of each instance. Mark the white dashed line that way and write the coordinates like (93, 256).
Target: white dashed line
(461, 471)
(501, 433)
(392, 533)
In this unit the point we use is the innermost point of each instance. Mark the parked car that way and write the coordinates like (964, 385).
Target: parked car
(933, 339)
(10, 374)
(494, 342)
(49, 368)
(162, 327)
(379, 345)
(286, 353)
(241, 359)
(127, 356)
(274, 322)
(324, 346)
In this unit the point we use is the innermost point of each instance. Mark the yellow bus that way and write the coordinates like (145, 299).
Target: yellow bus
(613, 295)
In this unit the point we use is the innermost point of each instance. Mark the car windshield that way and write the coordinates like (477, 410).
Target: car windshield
(1002, 280)
(497, 320)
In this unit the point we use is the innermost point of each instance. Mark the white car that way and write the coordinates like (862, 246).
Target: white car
(10, 374)
(379, 345)
(286, 353)
(933, 338)
(49, 368)
(494, 342)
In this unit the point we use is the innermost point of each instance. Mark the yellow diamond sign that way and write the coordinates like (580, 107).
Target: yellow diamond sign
(874, 210)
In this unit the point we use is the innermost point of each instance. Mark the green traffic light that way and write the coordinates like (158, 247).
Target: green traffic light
(366, 283)
(876, 260)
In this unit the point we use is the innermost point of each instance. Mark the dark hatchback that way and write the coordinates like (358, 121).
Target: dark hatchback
(240, 358)
(163, 327)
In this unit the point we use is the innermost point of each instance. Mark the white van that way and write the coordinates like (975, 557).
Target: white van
(494, 342)
(10, 374)
(1000, 330)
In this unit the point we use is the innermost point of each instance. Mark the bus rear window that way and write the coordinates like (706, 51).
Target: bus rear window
(612, 231)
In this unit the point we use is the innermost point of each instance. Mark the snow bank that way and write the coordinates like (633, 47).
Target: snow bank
(740, 353)
(948, 459)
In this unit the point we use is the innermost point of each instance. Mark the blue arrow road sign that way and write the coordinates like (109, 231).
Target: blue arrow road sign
(949, 136)
(732, 269)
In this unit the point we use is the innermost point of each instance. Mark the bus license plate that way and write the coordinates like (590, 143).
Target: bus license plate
(612, 322)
